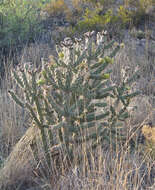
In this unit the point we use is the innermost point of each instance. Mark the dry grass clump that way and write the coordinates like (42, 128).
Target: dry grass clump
(13, 120)
(116, 171)
(106, 168)
(149, 133)
(35, 53)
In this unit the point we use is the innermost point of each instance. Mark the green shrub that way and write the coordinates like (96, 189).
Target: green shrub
(103, 14)
(135, 12)
(19, 22)
(93, 21)
(56, 8)
(72, 96)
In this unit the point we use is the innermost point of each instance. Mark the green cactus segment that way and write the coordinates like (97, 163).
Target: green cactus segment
(26, 83)
(46, 147)
(109, 45)
(91, 117)
(130, 95)
(113, 54)
(76, 84)
(49, 78)
(55, 106)
(39, 110)
(100, 69)
(73, 95)
(98, 105)
(16, 99)
(18, 79)
(33, 114)
(109, 89)
(80, 58)
(99, 77)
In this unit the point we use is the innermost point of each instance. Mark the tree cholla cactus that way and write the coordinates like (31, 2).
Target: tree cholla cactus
(72, 95)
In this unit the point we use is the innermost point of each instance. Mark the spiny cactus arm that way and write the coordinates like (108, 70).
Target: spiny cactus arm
(119, 115)
(54, 127)
(71, 57)
(89, 51)
(16, 99)
(77, 107)
(99, 76)
(49, 78)
(27, 95)
(86, 125)
(99, 50)
(69, 77)
(46, 147)
(113, 112)
(77, 83)
(48, 112)
(51, 136)
(60, 78)
(101, 96)
(66, 109)
(100, 68)
(57, 96)
(39, 109)
(18, 79)
(98, 84)
(29, 107)
(93, 117)
(34, 87)
(119, 98)
(23, 83)
(122, 110)
(55, 106)
(97, 64)
(108, 89)
(120, 90)
(109, 45)
(131, 95)
(26, 83)
(34, 83)
(123, 116)
(80, 58)
(114, 52)
(98, 104)
(60, 62)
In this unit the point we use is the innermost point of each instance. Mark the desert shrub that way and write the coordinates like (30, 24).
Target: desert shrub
(135, 12)
(97, 15)
(91, 20)
(19, 22)
(56, 8)
(69, 95)
(69, 12)
(108, 15)
(19, 25)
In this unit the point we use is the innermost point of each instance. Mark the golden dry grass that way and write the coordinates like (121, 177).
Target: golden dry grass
(149, 133)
